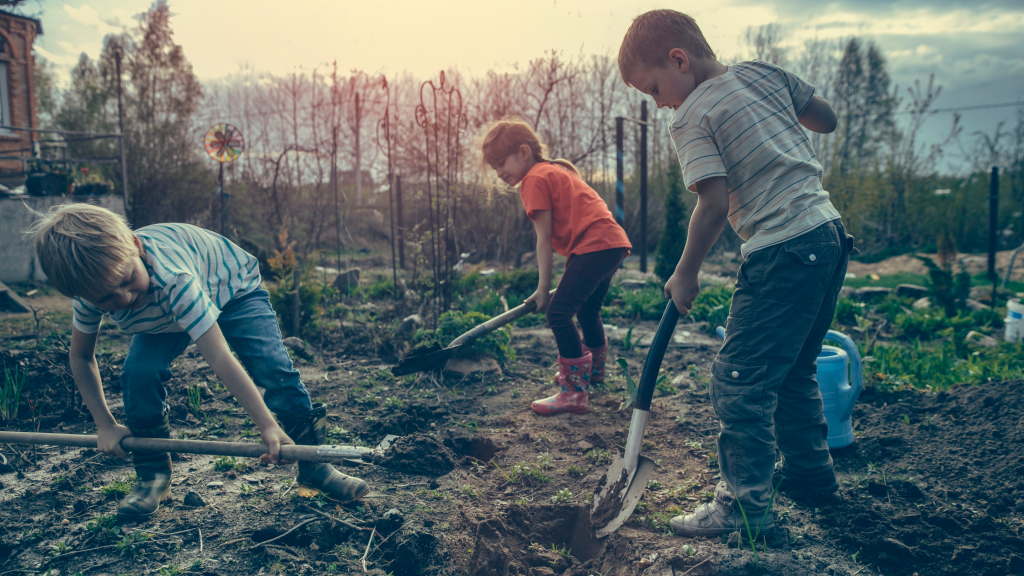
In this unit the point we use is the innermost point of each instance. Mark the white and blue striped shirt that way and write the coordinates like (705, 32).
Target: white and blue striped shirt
(193, 274)
(743, 125)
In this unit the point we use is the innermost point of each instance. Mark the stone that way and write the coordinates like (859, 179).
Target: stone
(871, 292)
(347, 280)
(390, 521)
(193, 499)
(631, 284)
(215, 484)
(974, 305)
(409, 326)
(911, 291)
(734, 540)
(979, 339)
(922, 303)
(463, 367)
(584, 445)
(297, 346)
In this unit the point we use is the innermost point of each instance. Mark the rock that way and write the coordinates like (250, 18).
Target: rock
(298, 346)
(390, 521)
(679, 380)
(193, 499)
(347, 280)
(65, 522)
(734, 540)
(871, 292)
(215, 484)
(463, 367)
(631, 284)
(584, 445)
(975, 306)
(979, 339)
(409, 325)
(411, 298)
(911, 291)
(922, 303)
(204, 392)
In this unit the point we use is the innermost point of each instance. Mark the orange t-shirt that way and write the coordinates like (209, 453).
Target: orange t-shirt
(580, 221)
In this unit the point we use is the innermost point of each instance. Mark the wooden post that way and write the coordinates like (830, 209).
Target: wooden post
(643, 186)
(399, 222)
(296, 319)
(120, 140)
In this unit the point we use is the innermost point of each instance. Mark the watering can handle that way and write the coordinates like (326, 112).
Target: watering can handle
(856, 372)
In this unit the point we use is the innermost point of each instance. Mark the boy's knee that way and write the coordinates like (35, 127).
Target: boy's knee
(738, 392)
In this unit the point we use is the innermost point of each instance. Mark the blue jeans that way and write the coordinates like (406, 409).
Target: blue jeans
(250, 327)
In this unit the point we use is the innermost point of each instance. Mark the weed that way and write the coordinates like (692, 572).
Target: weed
(712, 305)
(575, 471)
(170, 570)
(10, 393)
(690, 551)
(631, 387)
(545, 461)
(522, 472)
(707, 496)
(847, 311)
(563, 496)
(117, 488)
(195, 400)
(393, 402)
(245, 490)
(906, 419)
(515, 393)
(470, 491)
(694, 445)
(225, 463)
(628, 343)
(653, 484)
(663, 387)
(105, 526)
(132, 544)
(522, 500)
(60, 548)
(599, 456)
(642, 506)
(752, 537)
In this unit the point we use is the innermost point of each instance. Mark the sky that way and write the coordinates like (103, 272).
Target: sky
(976, 53)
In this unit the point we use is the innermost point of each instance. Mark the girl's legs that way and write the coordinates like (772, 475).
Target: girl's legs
(580, 292)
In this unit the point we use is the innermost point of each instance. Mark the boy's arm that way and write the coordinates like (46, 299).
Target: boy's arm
(87, 378)
(542, 224)
(706, 224)
(215, 351)
(818, 116)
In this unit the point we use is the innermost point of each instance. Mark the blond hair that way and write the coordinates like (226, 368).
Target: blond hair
(505, 137)
(654, 34)
(83, 249)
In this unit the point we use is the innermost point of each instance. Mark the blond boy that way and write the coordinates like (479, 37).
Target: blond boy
(737, 133)
(171, 285)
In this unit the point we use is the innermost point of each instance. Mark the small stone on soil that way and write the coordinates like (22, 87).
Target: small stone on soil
(193, 499)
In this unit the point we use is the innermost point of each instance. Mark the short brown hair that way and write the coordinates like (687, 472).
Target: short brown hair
(652, 35)
(83, 249)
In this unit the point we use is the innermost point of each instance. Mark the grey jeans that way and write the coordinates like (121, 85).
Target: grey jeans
(763, 384)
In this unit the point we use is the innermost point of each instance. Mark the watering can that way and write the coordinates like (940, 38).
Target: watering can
(836, 368)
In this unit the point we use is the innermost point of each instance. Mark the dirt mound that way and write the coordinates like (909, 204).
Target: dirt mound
(420, 454)
(936, 482)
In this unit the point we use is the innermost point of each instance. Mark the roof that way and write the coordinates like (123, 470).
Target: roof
(37, 21)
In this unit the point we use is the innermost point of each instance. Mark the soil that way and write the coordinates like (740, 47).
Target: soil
(931, 486)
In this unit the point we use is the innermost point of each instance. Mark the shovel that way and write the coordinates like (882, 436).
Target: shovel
(426, 358)
(130, 443)
(622, 486)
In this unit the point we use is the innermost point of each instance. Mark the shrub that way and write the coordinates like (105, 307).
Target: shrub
(454, 323)
(847, 311)
(673, 236)
(712, 305)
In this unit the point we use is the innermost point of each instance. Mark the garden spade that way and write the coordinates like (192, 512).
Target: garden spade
(426, 358)
(324, 453)
(624, 483)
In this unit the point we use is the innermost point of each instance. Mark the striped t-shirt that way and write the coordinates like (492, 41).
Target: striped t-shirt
(193, 274)
(743, 125)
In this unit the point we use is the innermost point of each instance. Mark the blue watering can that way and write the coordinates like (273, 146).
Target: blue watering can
(839, 394)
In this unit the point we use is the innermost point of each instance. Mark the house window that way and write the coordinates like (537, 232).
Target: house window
(5, 105)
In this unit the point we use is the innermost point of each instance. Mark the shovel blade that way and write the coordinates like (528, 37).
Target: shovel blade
(617, 499)
(424, 359)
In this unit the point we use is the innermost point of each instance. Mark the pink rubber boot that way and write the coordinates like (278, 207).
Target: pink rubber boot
(597, 365)
(573, 379)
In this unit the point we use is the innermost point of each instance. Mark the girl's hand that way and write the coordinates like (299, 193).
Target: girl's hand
(274, 437)
(541, 297)
(682, 290)
(108, 439)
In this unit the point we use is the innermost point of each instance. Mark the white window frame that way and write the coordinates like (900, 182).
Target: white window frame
(5, 102)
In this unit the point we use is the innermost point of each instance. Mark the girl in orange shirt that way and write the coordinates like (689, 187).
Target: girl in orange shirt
(571, 219)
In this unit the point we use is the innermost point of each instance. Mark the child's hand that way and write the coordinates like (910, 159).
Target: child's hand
(541, 297)
(108, 439)
(682, 290)
(274, 437)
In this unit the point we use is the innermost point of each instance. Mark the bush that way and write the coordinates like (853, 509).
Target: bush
(673, 236)
(847, 311)
(712, 305)
(454, 323)
(647, 303)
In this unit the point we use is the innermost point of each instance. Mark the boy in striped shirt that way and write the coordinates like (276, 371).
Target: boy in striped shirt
(171, 285)
(737, 133)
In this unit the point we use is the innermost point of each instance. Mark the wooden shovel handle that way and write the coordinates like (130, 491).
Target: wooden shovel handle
(130, 443)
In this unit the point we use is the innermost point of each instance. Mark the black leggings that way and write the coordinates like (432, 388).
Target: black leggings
(580, 293)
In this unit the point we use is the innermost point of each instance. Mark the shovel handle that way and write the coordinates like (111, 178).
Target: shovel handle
(131, 444)
(496, 322)
(652, 366)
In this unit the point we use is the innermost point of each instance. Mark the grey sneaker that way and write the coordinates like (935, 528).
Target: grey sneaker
(722, 516)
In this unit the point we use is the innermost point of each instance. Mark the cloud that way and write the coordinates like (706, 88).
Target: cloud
(89, 16)
(61, 60)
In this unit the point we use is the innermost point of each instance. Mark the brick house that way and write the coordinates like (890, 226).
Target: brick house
(17, 91)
